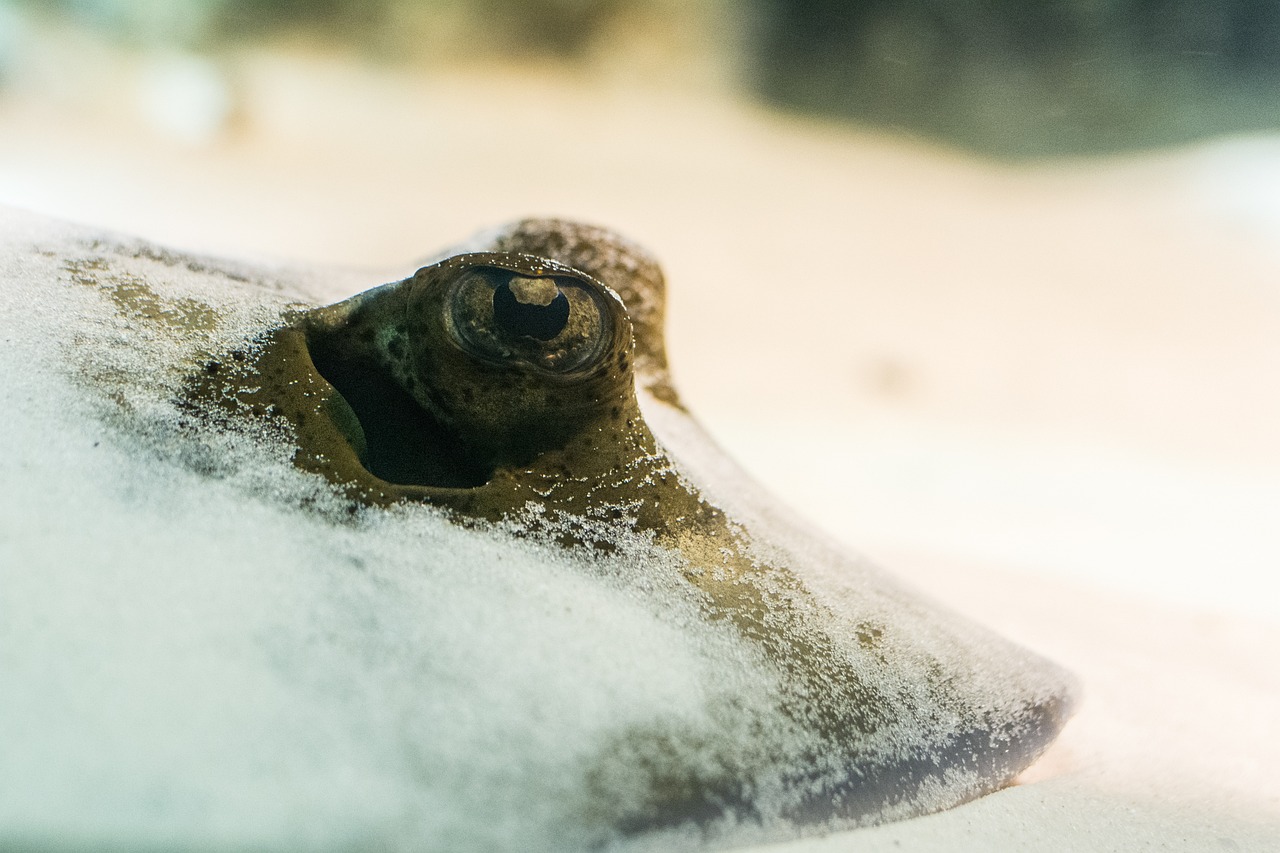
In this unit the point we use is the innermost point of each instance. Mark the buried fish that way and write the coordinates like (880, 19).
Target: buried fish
(524, 383)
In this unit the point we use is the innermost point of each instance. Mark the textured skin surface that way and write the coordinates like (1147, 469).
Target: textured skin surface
(388, 402)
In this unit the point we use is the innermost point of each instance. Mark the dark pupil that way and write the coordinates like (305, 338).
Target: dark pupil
(514, 317)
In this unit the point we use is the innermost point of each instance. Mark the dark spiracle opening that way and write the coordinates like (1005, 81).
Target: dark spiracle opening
(526, 313)
(405, 444)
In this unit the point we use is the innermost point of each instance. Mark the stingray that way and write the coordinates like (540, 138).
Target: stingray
(521, 385)
(528, 381)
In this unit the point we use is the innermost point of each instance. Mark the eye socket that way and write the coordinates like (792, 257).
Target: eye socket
(556, 323)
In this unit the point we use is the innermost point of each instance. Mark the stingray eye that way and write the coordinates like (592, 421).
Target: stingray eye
(533, 307)
(555, 322)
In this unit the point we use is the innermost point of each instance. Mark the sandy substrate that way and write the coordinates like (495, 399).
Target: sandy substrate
(1046, 396)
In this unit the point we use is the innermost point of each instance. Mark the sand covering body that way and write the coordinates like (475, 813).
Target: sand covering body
(612, 638)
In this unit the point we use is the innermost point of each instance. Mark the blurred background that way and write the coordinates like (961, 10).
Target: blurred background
(988, 284)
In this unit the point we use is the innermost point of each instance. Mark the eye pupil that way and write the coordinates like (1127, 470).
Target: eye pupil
(533, 307)
(549, 322)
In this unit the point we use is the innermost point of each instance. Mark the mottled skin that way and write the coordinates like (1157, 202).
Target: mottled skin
(385, 382)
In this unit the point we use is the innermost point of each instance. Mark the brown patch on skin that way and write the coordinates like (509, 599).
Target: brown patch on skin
(665, 392)
(135, 298)
(869, 635)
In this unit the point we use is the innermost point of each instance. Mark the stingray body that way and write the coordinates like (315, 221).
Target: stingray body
(443, 566)
(524, 383)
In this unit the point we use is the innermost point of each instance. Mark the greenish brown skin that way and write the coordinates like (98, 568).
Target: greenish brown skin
(573, 443)
(549, 438)
(598, 452)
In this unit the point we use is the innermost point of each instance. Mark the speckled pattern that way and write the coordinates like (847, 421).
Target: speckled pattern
(412, 392)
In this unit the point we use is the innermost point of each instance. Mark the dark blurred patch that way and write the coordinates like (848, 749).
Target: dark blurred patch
(564, 28)
(527, 27)
(556, 27)
(268, 17)
(1025, 78)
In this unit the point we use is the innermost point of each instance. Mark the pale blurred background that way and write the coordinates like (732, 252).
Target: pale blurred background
(980, 286)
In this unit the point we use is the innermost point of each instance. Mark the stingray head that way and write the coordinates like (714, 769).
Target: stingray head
(478, 363)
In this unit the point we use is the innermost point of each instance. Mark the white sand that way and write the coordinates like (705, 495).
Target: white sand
(1047, 396)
